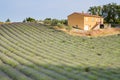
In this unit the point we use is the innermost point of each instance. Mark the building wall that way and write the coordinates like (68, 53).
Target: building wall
(76, 20)
(81, 21)
(92, 21)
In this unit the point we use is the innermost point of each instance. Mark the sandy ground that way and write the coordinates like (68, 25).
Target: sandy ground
(100, 32)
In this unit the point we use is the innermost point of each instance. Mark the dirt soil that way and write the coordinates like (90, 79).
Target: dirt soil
(95, 33)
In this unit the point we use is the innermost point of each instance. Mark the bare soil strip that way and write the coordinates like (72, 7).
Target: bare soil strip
(95, 33)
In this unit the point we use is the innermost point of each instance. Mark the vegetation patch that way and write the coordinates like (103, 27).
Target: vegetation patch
(31, 51)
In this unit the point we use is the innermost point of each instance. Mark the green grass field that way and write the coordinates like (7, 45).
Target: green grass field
(31, 51)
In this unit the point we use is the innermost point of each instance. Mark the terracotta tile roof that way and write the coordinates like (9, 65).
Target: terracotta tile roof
(86, 14)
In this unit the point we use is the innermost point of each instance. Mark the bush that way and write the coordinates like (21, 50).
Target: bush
(65, 22)
(29, 19)
(69, 28)
(47, 22)
(60, 25)
(8, 20)
(54, 22)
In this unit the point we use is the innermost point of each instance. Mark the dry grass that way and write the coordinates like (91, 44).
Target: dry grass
(95, 33)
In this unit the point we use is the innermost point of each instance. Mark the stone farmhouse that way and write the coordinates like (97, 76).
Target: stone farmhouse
(85, 21)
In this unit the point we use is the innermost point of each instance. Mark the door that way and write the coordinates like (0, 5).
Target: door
(86, 27)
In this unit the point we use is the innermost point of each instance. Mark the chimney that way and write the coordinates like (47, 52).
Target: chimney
(82, 12)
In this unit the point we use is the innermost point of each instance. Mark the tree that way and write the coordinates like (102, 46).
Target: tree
(54, 22)
(24, 20)
(64, 21)
(8, 20)
(110, 12)
(92, 10)
(47, 21)
(29, 19)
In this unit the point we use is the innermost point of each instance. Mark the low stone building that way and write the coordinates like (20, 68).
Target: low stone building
(85, 21)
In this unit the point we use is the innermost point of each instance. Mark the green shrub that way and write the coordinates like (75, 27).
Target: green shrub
(87, 69)
(60, 25)
(54, 22)
(69, 28)
(47, 22)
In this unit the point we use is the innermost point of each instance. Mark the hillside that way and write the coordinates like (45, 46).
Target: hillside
(30, 51)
